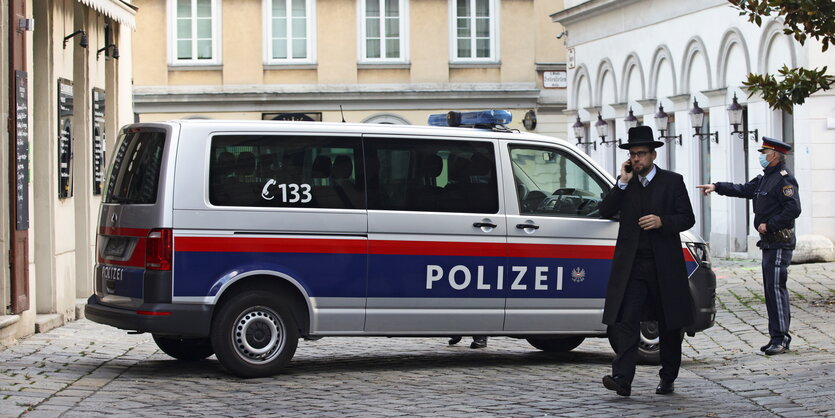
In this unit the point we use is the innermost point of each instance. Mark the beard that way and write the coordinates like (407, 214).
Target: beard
(644, 170)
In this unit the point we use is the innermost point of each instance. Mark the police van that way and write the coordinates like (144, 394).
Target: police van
(238, 238)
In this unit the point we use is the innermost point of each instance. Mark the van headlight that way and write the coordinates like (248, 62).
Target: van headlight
(700, 252)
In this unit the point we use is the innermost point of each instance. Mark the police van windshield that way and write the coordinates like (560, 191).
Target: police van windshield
(134, 176)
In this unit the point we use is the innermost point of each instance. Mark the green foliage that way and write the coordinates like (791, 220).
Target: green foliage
(796, 85)
(802, 18)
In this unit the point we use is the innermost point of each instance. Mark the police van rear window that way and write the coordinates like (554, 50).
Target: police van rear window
(286, 171)
(135, 174)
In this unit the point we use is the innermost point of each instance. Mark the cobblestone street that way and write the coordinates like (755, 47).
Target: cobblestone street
(86, 369)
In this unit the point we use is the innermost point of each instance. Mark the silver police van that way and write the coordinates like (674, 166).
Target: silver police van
(238, 238)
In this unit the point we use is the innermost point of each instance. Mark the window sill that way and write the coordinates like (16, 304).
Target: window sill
(182, 67)
(269, 67)
(457, 65)
(384, 66)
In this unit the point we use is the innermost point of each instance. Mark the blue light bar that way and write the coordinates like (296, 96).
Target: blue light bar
(480, 117)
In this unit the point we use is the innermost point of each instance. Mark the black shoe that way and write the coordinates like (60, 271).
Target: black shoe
(617, 384)
(454, 340)
(775, 349)
(765, 347)
(479, 342)
(665, 387)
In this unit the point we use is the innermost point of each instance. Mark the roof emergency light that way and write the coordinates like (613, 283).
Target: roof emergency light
(477, 118)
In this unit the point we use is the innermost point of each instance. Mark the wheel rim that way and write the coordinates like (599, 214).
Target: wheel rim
(259, 335)
(649, 336)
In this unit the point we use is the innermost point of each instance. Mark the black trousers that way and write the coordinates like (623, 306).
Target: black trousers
(641, 292)
(775, 264)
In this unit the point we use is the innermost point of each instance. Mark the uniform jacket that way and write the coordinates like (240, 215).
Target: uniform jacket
(776, 201)
(669, 200)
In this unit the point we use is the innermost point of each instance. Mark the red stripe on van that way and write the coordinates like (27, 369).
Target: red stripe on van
(688, 256)
(270, 245)
(470, 249)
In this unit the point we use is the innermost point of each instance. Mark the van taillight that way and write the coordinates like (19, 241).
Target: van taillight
(158, 249)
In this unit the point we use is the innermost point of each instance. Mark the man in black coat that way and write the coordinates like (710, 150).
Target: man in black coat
(648, 275)
(776, 206)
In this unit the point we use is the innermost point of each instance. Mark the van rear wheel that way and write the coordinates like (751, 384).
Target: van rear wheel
(186, 349)
(556, 344)
(254, 334)
(649, 344)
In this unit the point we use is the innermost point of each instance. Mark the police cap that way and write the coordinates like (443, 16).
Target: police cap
(779, 146)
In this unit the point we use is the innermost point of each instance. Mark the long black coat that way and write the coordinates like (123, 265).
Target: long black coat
(668, 200)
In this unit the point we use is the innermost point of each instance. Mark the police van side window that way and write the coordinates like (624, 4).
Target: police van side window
(286, 171)
(134, 176)
(431, 175)
(552, 183)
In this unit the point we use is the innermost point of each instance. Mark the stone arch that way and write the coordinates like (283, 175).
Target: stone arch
(662, 53)
(771, 32)
(581, 76)
(386, 118)
(733, 36)
(632, 63)
(603, 70)
(695, 47)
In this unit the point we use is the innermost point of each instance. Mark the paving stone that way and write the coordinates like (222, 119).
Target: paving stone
(84, 369)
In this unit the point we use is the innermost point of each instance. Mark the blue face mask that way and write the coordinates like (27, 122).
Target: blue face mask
(763, 160)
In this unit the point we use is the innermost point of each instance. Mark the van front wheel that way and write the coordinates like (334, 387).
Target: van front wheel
(254, 334)
(557, 344)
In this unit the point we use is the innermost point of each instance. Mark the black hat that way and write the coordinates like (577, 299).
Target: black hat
(779, 146)
(641, 136)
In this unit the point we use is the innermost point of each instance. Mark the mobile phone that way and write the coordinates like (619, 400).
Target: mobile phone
(628, 168)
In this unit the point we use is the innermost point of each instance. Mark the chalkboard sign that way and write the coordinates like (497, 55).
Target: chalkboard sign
(65, 109)
(98, 140)
(21, 150)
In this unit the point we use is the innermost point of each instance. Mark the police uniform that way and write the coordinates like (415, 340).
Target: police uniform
(776, 204)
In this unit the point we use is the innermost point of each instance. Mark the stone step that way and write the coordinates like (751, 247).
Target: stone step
(46, 322)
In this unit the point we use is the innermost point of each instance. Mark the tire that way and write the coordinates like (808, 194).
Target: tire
(185, 349)
(254, 334)
(556, 344)
(649, 346)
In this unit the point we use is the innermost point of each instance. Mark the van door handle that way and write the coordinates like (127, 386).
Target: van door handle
(526, 226)
(484, 225)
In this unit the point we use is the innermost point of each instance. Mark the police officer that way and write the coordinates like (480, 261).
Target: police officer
(776, 206)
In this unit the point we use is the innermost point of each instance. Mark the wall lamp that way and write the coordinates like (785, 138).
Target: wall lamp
(629, 122)
(735, 116)
(662, 119)
(114, 54)
(84, 42)
(580, 133)
(697, 119)
(602, 128)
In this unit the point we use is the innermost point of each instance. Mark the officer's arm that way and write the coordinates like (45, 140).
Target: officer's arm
(786, 194)
(745, 191)
(610, 206)
(682, 217)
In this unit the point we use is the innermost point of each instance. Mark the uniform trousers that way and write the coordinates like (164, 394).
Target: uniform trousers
(642, 291)
(775, 272)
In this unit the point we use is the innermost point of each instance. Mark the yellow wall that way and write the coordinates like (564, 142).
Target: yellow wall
(526, 36)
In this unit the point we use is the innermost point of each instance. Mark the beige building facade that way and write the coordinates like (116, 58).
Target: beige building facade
(377, 61)
(67, 93)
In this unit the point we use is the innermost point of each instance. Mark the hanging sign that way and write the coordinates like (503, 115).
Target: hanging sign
(65, 109)
(21, 170)
(98, 140)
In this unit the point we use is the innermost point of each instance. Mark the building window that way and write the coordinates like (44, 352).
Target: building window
(383, 31)
(474, 25)
(290, 28)
(195, 32)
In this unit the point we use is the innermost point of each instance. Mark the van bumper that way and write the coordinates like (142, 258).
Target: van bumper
(156, 318)
(703, 290)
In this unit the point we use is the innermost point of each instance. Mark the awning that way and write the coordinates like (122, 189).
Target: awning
(117, 10)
